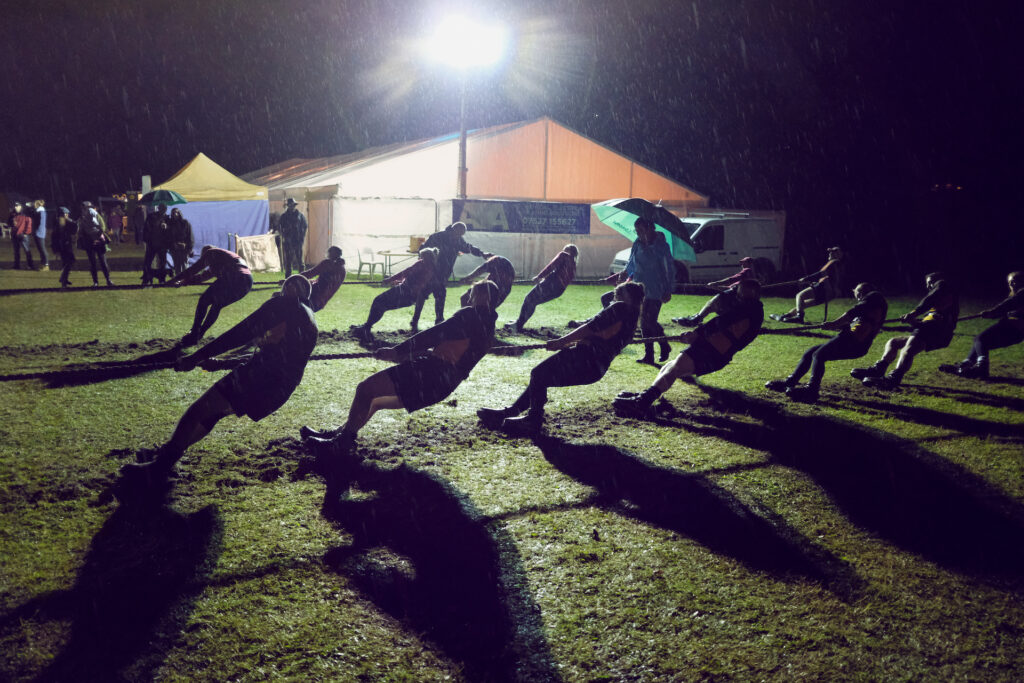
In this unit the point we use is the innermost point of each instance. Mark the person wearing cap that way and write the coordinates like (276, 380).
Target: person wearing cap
(292, 227)
(939, 311)
(62, 241)
(825, 285)
(285, 332)
(329, 274)
(726, 299)
(21, 230)
(449, 243)
(857, 330)
(155, 237)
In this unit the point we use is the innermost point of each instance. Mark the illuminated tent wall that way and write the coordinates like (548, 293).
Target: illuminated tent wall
(219, 203)
(383, 196)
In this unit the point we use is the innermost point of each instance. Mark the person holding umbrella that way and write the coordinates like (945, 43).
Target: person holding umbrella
(234, 280)
(651, 264)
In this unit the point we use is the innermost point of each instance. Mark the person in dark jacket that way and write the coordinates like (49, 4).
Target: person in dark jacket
(292, 226)
(180, 240)
(284, 328)
(62, 241)
(941, 310)
(825, 285)
(712, 346)
(409, 285)
(500, 271)
(234, 280)
(156, 241)
(21, 233)
(549, 284)
(449, 244)
(430, 366)
(858, 328)
(583, 357)
(326, 277)
(726, 298)
(1009, 330)
(92, 239)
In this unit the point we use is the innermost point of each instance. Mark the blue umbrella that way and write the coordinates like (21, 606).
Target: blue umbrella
(621, 214)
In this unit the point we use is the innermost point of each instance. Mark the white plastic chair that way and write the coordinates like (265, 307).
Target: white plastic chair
(368, 258)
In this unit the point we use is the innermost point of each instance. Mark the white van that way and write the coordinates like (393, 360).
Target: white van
(720, 240)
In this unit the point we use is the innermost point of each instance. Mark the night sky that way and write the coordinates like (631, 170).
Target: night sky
(859, 118)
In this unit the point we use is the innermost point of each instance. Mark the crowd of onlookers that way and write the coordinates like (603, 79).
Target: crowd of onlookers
(32, 224)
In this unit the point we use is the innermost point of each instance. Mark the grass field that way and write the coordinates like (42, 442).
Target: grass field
(872, 536)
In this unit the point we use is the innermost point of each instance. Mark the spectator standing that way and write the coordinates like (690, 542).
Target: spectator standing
(651, 264)
(21, 230)
(62, 240)
(39, 233)
(292, 227)
(137, 221)
(181, 240)
(155, 237)
(115, 223)
(93, 240)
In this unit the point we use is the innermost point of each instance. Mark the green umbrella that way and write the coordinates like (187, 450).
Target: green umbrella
(621, 214)
(165, 197)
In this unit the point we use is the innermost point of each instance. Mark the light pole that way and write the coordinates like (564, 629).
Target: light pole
(463, 44)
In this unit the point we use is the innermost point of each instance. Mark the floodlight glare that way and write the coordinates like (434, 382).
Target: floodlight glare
(463, 44)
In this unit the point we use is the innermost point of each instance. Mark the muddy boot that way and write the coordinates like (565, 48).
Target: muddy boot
(665, 350)
(530, 423)
(956, 368)
(977, 370)
(887, 382)
(639, 405)
(493, 417)
(803, 394)
(780, 385)
(307, 432)
(877, 371)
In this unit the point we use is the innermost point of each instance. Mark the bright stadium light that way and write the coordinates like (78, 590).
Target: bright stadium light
(463, 45)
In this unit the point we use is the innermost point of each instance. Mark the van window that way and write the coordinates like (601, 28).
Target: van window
(711, 238)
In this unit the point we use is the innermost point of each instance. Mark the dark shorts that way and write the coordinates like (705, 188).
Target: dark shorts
(423, 381)
(933, 336)
(822, 293)
(253, 392)
(705, 358)
(228, 290)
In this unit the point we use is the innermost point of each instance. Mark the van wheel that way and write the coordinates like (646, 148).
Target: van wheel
(765, 270)
(682, 277)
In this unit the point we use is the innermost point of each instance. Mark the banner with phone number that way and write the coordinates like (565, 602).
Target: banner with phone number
(528, 217)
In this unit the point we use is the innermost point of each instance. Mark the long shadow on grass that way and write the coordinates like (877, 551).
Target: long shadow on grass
(132, 596)
(967, 395)
(424, 554)
(692, 505)
(893, 487)
(937, 418)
